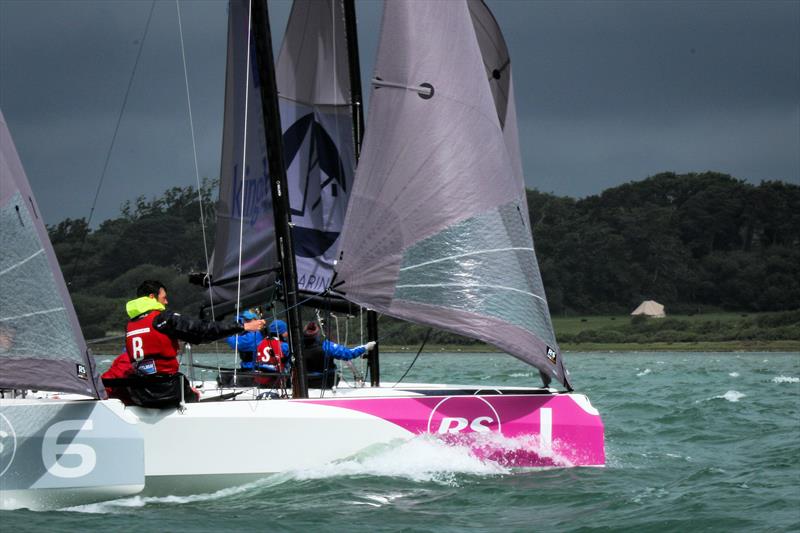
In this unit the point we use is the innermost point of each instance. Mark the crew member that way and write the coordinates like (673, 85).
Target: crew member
(246, 343)
(318, 355)
(153, 332)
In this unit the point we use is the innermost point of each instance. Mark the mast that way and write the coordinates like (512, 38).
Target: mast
(280, 192)
(357, 112)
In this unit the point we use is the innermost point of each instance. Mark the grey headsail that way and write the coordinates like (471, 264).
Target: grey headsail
(315, 104)
(245, 203)
(41, 345)
(437, 230)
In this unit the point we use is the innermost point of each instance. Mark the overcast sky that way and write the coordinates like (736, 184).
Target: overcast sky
(607, 92)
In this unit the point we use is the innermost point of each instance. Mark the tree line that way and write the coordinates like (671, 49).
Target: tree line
(693, 242)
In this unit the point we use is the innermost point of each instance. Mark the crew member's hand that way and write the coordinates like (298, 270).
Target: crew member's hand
(255, 325)
(370, 345)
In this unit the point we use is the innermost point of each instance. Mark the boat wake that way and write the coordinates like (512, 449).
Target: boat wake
(125, 504)
(422, 459)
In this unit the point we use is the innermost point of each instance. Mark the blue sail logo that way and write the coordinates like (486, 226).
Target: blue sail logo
(315, 165)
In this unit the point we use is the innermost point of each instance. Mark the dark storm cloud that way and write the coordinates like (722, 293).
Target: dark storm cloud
(606, 92)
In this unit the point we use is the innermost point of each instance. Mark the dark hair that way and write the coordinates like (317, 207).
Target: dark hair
(148, 287)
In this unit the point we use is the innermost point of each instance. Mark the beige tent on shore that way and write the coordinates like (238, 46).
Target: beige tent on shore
(650, 308)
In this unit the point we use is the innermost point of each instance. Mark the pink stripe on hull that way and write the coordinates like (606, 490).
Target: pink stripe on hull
(514, 430)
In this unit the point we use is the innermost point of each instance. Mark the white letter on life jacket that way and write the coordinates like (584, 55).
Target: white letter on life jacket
(53, 453)
(452, 425)
(478, 424)
(138, 352)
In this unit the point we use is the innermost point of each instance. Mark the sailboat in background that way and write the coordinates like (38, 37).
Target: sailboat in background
(57, 452)
(435, 231)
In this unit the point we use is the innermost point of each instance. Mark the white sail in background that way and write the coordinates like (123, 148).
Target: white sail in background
(315, 105)
(437, 230)
(41, 344)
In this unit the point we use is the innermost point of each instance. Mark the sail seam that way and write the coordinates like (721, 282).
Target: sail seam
(450, 257)
(26, 315)
(502, 287)
(12, 267)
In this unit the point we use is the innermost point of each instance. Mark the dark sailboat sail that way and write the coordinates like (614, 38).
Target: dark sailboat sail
(245, 203)
(437, 230)
(314, 91)
(41, 345)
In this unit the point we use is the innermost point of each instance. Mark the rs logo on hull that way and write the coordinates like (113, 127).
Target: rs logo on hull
(458, 414)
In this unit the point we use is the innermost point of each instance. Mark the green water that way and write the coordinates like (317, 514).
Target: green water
(694, 442)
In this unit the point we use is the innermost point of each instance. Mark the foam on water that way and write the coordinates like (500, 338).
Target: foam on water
(423, 458)
(732, 396)
(734, 374)
(142, 501)
(785, 379)
(644, 372)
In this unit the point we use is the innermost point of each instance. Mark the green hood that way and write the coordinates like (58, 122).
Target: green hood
(143, 305)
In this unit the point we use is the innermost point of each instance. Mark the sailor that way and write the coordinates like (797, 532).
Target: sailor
(318, 355)
(279, 330)
(246, 343)
(271, 356)
(153, 332)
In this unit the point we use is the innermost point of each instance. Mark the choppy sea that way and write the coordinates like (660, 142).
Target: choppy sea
(694, 442)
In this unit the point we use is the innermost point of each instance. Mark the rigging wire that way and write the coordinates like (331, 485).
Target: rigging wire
(244, 166)
(113, 141)
(194, 152)
(425, 340)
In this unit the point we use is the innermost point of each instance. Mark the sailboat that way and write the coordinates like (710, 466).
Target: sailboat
(55, 452)
(430, 226)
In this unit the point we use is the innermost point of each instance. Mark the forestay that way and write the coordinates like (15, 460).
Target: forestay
(437, 231)
(41, 345)
(315, 105)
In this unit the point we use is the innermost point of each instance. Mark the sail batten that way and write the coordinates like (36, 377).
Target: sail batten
(437, 230)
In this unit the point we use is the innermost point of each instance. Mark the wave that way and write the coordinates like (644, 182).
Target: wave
(122, 504)
(785, 379)
(423, 458)
(734, 374)
(644, 372)
(731, 396)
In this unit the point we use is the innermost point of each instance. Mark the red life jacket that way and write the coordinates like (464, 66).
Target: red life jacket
(269, 353)
(148, 348)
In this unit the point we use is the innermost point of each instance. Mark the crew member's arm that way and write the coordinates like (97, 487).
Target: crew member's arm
(200, 331)
(337, 351)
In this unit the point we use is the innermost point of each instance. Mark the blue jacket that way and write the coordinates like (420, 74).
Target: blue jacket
(338, 351)
(248, 342)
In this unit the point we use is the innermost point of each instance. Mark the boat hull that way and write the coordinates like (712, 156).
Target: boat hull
(61, 453)
(209, 446)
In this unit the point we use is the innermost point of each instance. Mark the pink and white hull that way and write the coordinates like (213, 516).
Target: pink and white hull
(185, 449)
